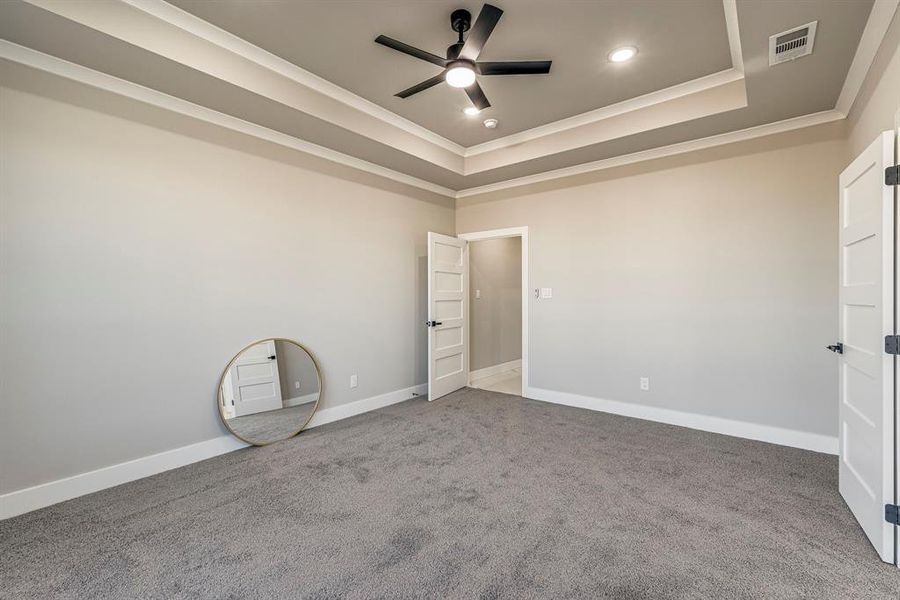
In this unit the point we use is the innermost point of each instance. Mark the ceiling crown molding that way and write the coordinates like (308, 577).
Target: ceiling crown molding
(56, 66)
(872, 38)
(216, 35)
(166, 30)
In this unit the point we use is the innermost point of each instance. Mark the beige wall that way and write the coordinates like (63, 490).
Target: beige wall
(714, 274)
(136, 261)
(877, 105)
(295, 364)
(495, 319)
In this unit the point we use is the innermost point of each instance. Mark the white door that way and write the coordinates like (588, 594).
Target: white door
(254, 379)
(866, 472)
(448, 333)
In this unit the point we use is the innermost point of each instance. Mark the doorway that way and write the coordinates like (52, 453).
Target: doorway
(497, 302)
(449, 309)
(495, 315)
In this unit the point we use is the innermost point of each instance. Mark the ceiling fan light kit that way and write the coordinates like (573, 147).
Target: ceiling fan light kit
(461, 66)
(460, 75)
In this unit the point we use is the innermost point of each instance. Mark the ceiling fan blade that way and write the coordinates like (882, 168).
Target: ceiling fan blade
(480, 32)
(476, 95)
(411, 50)
(421, 86)
(518, 67)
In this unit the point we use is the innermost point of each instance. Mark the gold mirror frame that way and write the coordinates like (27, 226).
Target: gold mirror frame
(220, 399)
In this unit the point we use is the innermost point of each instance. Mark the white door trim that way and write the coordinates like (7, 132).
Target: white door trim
(493, 234)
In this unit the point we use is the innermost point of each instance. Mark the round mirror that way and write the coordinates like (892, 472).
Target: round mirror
(269, 391)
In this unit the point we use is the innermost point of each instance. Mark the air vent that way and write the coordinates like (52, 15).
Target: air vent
(792, 44)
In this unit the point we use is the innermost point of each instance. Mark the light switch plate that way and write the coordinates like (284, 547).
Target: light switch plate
(546, 292)
(354, 381)
(477, 294)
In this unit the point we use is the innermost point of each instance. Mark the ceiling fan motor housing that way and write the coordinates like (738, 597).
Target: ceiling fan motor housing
(460, 20)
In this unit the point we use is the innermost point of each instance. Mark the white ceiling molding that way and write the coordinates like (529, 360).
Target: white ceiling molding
(661, 152)
(185, 40)
(122, 20)
(714, 94)
(613, 110)
(56, 66)
(734, 35)
(168, 31)
(735, 73)
(216, 35)
(876, 27)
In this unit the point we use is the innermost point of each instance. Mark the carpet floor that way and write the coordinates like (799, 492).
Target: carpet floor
(477, 495)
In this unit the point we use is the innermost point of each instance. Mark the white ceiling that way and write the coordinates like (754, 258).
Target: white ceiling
(307, 75)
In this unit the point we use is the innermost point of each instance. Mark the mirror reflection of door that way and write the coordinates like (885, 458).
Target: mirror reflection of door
(269, 391)
(255, 383)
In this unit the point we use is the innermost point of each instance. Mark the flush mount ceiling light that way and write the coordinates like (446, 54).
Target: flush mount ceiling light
(460, 75)
(622, 54)
(461, 65)
(490, 123)
(471, 111)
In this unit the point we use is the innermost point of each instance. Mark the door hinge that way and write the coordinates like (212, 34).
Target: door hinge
(892, 513)
(892, 175)
(892, 344)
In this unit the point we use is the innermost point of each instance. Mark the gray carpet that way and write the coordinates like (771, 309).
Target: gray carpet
(271, 425)
(477, 495)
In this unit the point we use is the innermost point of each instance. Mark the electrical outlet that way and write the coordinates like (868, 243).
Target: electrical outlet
(296, 385)
(353, 381)
(645, 384)
(477, 294)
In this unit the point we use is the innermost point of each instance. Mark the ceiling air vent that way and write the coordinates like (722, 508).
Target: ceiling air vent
(792, 44)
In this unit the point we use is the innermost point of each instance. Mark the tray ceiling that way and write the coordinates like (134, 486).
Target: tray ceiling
(307, 75)
(678, 42)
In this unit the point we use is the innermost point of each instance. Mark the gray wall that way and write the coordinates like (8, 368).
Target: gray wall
(141, 251)
(714, 274)
(495, 319)
(294, 364)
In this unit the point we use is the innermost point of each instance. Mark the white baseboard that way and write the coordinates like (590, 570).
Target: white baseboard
(298, 400)
(45, 494)
(344, 411)
(501, 368)
(753, 431)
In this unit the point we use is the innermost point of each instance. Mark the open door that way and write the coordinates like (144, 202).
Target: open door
(867, 408)
(256, 386)
(448, 332)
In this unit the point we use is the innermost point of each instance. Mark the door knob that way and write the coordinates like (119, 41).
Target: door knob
(839, 348)
(272, 357)
(433, 323)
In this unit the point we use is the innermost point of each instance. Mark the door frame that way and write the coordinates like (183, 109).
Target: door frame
(495, 234)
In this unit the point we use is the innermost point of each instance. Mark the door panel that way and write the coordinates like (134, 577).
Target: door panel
(254, 380)
(447, 341)
(866, 478)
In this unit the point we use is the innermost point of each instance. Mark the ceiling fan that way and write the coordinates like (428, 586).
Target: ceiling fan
(461, 66)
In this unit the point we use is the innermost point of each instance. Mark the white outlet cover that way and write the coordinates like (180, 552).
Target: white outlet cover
(546, 292)
(645, 384)
(354, 381)
(296, 385)
(477, 294)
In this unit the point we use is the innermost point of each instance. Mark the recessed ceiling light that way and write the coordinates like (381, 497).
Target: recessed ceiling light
(622, 54)
(460, 75)
(471, 111)
(490, 123)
